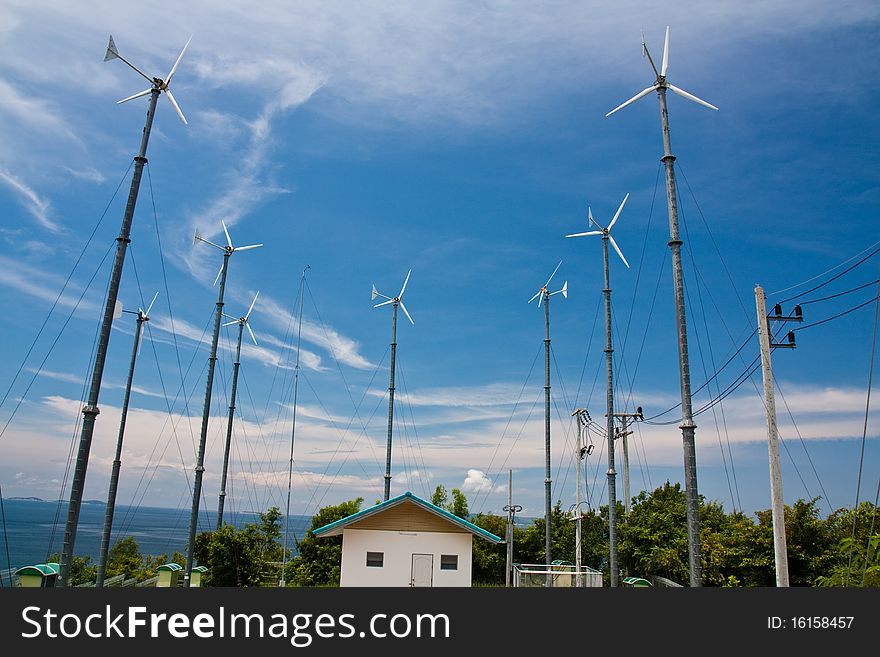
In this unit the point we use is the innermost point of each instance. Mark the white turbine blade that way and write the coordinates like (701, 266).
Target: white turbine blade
(617, 214)
(541, 298)
(217, 278)
(140, 346)
(400, 296)
(230, 323)
(248, 247)
(175, 106)
(174, 68)
(250, 330)
(641, 94)
(112, 52)
(248, 314)
(665, 54)
(199, 238)
(589, 232)
(685, 94)
(228, 239)
(384, 303)
(375, 293)
(406, 312)
(564, 289)
(619, 252)
(535, 297)
(150, 307)
(133, 96)
(552, 275)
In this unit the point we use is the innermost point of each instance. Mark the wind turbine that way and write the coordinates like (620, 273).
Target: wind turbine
(687, 421)
(143, 316)
(543, 296)
(609, 368)
(228, 250)
(394, 302)
(242, 324)
(90, 410)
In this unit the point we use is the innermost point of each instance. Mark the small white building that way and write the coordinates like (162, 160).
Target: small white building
(405, 541)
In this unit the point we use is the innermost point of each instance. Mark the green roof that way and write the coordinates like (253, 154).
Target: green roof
(42, 569)
(174, 567)
(335, 528)
(636, 581)
(200, 569)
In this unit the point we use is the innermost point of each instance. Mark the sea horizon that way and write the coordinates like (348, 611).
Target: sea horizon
(34, 530)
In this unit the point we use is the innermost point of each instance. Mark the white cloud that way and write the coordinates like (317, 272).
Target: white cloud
(476, 482)
(38, 207)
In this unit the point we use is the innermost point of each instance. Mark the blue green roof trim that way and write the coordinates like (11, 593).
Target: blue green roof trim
(394, 501)
(43, 569)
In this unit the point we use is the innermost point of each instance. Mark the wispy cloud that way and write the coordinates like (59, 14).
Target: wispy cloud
(32, 202)
(38, 283)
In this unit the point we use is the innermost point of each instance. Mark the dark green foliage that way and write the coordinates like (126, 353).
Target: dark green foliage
(320, 559)
(238, 558)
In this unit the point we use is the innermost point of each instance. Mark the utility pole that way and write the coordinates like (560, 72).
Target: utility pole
(582, 419)
(765, 340)
(622, 433)
(512, 509)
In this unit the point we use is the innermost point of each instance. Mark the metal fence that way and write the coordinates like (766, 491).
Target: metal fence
(555, 575)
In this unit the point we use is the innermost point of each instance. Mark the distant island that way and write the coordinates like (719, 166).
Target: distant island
(40, 499)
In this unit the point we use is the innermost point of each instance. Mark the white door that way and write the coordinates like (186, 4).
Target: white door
(422, 570)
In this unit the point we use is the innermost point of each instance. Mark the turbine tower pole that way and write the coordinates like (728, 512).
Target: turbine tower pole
(547, 480)
(609, 415)
(391, 401)
(222, 498)
(661, 84)
(90, 411)
(117, 461)
(203, 436)
(687, 417)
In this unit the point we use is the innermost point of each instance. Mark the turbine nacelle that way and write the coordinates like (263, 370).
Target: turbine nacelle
(229, 249)
(661, 81)
(397, 301)
(157, 84)
(243, 321)
(605, 232)
(544, 291)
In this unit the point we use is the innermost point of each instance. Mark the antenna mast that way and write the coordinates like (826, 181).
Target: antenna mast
(302, 284)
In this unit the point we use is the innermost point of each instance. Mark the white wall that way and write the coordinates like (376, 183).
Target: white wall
(398, 548)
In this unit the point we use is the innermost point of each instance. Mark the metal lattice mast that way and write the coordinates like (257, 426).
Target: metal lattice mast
(302, 284)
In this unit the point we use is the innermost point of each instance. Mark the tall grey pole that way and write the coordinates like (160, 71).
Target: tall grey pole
(627, 498)
(780, 548)
(509, 536)
(90, 411)
(222, 498)
(391, 401)
(578, 456)
(609, 414)
(687, 418)
(117, 461)
(547, 480)
(203, 436)
(302, 286)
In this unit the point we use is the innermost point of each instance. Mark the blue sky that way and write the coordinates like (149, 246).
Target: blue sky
(463, 142)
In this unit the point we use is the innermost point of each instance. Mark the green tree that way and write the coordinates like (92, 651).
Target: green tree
(238, 558)
(82, 570)
(124, 558)
(489, 559)
(459, 506)
(319, 560)
(440, 498)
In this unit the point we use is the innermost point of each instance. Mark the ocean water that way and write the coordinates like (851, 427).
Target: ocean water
(35, 529)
